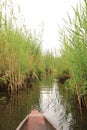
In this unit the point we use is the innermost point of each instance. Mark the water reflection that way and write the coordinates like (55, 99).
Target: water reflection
(48, 98)
(51, 105)
(18, 106)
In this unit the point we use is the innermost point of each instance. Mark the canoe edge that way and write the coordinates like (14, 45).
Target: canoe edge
(22, 123)
(51, 122)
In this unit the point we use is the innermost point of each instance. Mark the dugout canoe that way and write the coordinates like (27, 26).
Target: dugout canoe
(36, 121)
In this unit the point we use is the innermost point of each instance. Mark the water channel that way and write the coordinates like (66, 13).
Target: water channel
(46, 96)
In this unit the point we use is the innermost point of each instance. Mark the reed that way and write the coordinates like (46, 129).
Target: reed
(74, 52)
(20, 53)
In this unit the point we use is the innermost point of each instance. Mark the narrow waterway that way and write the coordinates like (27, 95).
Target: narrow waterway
(47, 97)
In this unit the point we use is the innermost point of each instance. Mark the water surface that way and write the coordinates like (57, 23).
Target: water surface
(47, 97)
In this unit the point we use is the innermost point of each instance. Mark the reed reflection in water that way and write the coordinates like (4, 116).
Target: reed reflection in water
(50, 103)
(49, 98)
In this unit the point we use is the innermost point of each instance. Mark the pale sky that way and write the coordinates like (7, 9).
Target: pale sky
(51, 12)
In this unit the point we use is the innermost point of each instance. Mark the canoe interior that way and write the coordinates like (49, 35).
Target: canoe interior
(35, 121)
(47, 126)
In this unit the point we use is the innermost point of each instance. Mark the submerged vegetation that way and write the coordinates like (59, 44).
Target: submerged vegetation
(74, 54)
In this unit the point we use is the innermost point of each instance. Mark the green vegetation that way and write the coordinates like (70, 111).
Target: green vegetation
(21, 58)
(74, 53)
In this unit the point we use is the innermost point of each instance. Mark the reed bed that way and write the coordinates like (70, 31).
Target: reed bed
(74, 52)
(21, 56)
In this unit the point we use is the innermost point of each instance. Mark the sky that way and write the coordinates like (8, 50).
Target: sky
(51, 13)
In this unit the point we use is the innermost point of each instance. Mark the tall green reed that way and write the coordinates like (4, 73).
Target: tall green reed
(20, 52)
(74, 51)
